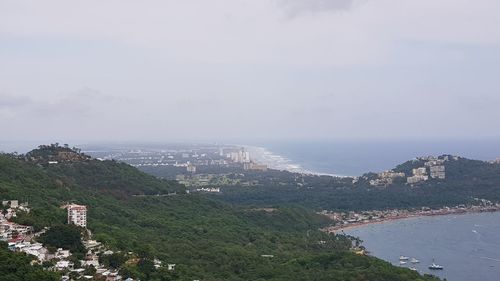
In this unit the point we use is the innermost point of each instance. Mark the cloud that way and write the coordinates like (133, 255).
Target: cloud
(75, 105)
(249, 68)
(297, 7)
(8, 101)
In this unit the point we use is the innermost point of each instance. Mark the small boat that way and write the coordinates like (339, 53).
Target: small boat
(412, 268)
(434, 266)
(403, 258)
(414, 260)
(402, 262)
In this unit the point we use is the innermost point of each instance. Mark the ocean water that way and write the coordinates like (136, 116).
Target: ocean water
(356, 158)
(468, 246)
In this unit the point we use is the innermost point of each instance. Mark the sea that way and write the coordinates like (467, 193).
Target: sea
(356, 158)
(467, 246)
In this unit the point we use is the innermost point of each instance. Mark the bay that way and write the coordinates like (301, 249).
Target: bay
(468, 246)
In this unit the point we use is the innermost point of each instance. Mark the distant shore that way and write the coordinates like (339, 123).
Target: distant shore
(409, 214)
(274, 161)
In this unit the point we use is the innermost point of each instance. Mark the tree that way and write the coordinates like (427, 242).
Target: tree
(146, 266)
(64, 236)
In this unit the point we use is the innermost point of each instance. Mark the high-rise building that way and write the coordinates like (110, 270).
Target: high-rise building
(77, 215)
(191, 168)
(241, 156)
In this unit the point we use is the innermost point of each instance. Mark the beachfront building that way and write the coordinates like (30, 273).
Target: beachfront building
(77, 214)
(240, 156)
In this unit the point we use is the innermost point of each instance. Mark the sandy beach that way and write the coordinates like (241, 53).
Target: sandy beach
(344, 227)
(264, 156)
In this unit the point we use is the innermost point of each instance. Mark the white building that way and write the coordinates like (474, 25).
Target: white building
(77, 214)
(438, 172)
(422, 171)
(241, 156)
(191, 168)
(416, 179)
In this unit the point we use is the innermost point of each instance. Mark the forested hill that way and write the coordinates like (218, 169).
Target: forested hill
(208, 240)
(457, 181)
(457, 169)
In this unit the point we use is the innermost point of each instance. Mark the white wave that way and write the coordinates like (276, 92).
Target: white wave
(274, 161)
(492, 259)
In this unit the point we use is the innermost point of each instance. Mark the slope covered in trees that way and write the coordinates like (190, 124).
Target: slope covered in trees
(208, 240)
(465, 180)
(16, 267)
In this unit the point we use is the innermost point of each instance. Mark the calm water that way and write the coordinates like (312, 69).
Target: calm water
(356, 158)
(468, 246)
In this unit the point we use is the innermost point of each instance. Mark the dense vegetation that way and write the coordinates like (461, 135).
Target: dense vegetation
(465, 180)
(17, 267)
(68, 237)
(208, 240)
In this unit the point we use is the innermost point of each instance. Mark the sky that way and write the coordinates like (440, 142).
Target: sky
(122, 70)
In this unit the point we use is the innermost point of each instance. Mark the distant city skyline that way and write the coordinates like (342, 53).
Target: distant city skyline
(228, 71)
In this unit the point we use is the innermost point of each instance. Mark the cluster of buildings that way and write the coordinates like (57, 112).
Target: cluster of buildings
(433, 168)
(252, 166)
(348, 219)
(22, 238)
(11, 231)
(240, 156)
(209, 189)
(191, 158)
(386, 178)
(9, 208)
(418, 175)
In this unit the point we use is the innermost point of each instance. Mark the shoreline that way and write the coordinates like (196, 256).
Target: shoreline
(345, 227)
(262, 155)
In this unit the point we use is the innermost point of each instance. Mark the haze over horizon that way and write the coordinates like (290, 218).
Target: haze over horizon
(235, 70)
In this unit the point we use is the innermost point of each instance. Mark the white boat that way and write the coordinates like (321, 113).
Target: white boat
(414, 260)
(434, 266)
(412, 268)
(402, 262)
(403, 258)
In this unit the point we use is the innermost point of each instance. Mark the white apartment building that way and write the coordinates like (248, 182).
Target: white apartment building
(77, 214)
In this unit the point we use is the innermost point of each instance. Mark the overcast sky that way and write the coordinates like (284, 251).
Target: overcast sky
(122, 70)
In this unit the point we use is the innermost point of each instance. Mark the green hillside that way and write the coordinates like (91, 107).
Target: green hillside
(16, 267)
(465, 180)
(208, 240)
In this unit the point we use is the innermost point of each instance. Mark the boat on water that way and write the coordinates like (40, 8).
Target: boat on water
(412, 268)
(414, 260)
(403, 258)
(402, 262)
(434, 266)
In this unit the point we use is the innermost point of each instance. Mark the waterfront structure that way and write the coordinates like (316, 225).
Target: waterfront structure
(77, 215)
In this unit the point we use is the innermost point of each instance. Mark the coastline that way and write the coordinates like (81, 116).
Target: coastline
(410, 215)
(262, 155)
